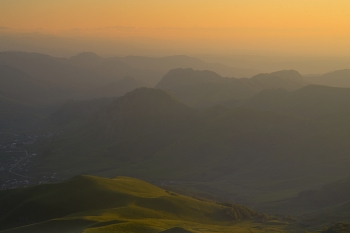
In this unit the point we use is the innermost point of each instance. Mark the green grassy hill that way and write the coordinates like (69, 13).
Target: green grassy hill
(92, 204)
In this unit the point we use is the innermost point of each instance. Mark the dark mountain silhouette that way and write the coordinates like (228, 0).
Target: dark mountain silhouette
(236, 153)
(291, 75)
(139, 112)
(74, 78)
(159, 124)
(188, 77)
(271, 141)
(87, 70)
(87, 75)
(146, 117)
(288, 79)
(205, 88)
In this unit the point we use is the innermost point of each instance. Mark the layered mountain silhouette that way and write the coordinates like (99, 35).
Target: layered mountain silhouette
(205, 88)
(87, 71)
(159, 124)
(148, 118)
(165, 64)
(150, 134)
(278, 142)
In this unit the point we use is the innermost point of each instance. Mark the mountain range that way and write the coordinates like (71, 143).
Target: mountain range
(151, 135)
(207, 88)
(275, 142)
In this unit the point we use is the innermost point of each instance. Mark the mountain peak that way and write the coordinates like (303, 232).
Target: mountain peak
(291, 75)
(86, 55)
(286, 73)
(87, 59)
(148, 98)
(143, 112)
(187, 77)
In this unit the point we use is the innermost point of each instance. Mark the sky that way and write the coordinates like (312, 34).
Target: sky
(281, 26)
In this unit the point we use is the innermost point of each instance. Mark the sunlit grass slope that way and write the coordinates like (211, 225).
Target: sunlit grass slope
(91, 205)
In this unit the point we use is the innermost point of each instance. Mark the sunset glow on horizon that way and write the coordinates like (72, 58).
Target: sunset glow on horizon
(282, 25)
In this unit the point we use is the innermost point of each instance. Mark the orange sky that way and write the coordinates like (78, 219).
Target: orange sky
(314, 25)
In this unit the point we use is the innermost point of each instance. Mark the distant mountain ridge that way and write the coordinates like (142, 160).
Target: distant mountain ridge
(181, 61)
(338, 78)
(205, 88)
(33, 79)
(77, 76)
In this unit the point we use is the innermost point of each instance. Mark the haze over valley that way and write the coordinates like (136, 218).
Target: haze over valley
(174, 124)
